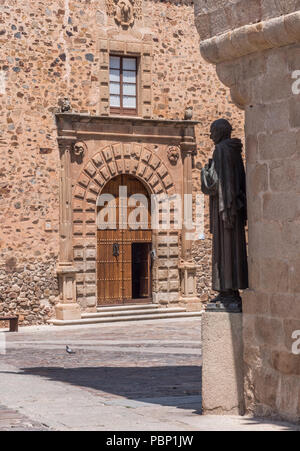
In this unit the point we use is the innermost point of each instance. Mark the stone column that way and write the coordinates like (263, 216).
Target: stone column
(255, 47)
(67, 309)
(187, 266)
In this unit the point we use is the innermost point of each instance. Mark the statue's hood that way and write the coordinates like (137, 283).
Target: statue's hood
(233, 143)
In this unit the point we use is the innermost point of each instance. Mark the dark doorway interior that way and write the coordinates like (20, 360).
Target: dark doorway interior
(141, 271)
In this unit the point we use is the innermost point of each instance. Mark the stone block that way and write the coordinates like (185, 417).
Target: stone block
(286, 363)
(285, 306)
(255, 120)
(255, 302)
(265, 384)
(79, 192)
(90, 254)
(146, 94)
(286, 400)
(104, 76)
(281, 206)
(252, 149)
(104, 108)
(163, 274)
(174, 285)
(91, 301)
(147, 111)
(294, 112)
(269, 331)
(294, 282)
(117, 46)
(173, 274)
(258, 179)
(134, 48)
(163, 286)
(285, 175)
(174, 251)
(103, 45)
(78, 254)
(277, 116)
(68, 311)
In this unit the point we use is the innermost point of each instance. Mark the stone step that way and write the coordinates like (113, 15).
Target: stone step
(121, 308)
(112, 319)
(125, 312)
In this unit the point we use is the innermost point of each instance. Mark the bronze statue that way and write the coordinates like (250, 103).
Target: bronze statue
(223, 179)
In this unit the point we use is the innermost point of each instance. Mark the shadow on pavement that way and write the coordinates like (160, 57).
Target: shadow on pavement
(177, 386)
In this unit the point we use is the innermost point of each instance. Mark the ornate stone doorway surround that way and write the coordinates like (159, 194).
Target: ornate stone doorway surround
(94, 150)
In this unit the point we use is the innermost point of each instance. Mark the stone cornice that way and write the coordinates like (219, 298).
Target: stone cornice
(278, 32)
(77, 127)
(86, 118)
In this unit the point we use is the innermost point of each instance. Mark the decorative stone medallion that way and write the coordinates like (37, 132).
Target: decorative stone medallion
(173, 155)
(124, 11)
(79, 149)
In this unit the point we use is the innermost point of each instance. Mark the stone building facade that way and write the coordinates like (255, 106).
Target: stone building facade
(52, 51)
(255, 47)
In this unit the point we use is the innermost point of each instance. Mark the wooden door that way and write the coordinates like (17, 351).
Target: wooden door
(115, 247)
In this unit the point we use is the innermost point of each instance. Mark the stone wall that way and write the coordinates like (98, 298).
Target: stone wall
(272, 311)
(30, 290)
(52, 50)
(257, 62)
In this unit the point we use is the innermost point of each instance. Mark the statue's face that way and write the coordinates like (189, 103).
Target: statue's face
(219, 131)
(216, 135)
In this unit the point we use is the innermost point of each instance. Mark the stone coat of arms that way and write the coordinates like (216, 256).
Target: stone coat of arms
(124, 11)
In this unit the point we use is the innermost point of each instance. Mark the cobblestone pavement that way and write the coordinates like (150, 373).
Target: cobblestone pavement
(11, 420)
(133, 376)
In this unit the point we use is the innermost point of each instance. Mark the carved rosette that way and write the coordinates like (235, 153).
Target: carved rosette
(79, 149)
(173, 155)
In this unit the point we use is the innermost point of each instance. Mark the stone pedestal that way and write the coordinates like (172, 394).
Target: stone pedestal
(67, 309)
(188, 284)
(223, 375)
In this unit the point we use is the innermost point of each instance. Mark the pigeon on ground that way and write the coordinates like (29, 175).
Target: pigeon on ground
(69, 350)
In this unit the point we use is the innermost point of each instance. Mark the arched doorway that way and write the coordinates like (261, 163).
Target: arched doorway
(124, 248)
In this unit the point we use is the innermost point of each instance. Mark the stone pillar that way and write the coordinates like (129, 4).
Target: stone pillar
(187, 266)
(67, 309)
(255, 48)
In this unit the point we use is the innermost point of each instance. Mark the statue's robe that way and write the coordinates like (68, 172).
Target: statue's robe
(223, 179)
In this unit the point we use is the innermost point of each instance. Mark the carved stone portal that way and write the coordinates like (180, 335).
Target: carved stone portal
(108, 149)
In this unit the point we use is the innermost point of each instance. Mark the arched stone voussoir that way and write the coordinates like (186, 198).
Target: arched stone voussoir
(123, 158)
